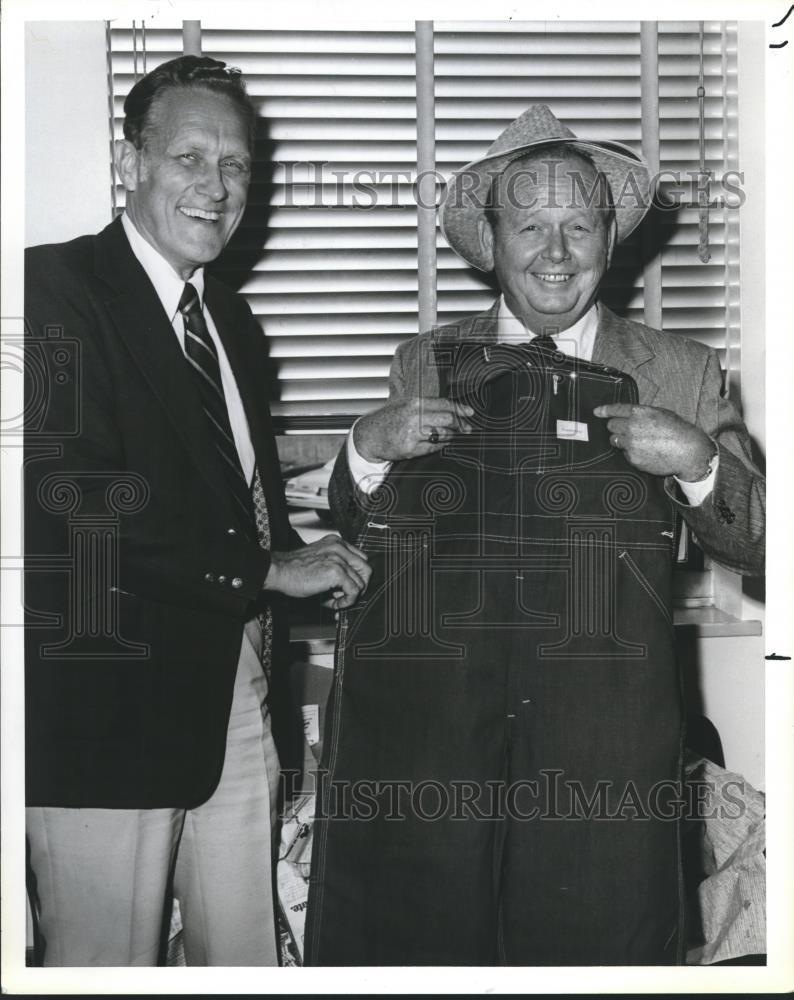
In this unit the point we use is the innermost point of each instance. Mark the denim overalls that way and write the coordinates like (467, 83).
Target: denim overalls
(503, 741)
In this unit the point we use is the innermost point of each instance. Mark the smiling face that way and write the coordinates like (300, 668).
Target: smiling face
(186, 188)
(550, 248)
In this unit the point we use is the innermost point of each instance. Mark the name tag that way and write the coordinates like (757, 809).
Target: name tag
(572, 430)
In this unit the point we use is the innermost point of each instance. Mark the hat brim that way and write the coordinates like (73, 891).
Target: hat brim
(464, 200)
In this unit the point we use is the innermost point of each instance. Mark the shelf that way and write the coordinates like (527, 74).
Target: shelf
(710, 622)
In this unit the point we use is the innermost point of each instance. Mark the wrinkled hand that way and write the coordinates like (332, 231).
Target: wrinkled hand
(329, 564)
(403, 429)
(658, 441)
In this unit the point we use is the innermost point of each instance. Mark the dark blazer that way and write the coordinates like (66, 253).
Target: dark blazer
(139, 576)
(671, 372)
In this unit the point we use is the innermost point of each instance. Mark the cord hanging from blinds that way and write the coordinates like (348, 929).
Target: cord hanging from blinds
(703, 178)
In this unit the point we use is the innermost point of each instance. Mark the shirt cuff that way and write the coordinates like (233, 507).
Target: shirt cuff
(696, 493)
(366, 475)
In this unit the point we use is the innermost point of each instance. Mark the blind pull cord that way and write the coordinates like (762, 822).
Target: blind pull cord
(703, 177)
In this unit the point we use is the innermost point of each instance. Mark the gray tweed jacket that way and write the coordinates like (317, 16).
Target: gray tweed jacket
(671, 372)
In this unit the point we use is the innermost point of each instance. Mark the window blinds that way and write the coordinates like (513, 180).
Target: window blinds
(326, 254)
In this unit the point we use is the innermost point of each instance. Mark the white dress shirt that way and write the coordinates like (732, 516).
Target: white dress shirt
(577, 341)
(169, 287)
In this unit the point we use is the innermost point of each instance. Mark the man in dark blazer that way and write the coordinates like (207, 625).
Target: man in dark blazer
(535, 687)
(159, 557)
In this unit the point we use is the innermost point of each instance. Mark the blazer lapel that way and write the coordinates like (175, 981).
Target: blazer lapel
(620, 345)
(143, 326)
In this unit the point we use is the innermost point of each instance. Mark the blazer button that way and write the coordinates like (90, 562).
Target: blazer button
(209, 577)
(237, 583)
(221, 579)
(231, 531)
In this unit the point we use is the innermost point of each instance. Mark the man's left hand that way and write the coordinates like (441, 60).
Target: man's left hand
(658, 441)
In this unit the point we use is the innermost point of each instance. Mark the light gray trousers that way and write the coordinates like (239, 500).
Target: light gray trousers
(102, 874)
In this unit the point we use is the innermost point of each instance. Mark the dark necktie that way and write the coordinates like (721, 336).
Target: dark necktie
(203, 357)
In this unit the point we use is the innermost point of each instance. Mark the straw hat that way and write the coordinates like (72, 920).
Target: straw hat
(466, 193)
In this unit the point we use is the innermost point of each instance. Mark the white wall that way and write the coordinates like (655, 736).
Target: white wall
(724, 680)
(67, 136)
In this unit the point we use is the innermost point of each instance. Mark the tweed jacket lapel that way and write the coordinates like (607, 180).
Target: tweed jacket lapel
(480, 327)
(620, 344)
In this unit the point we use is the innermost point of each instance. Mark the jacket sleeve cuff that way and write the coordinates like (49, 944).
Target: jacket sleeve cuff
(366, 475)
(696, 493)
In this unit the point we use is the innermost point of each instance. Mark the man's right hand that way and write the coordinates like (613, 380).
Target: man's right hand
(328, 565)
(408, 428)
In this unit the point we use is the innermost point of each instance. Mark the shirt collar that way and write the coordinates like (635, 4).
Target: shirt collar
(576, 340)
(167, 283)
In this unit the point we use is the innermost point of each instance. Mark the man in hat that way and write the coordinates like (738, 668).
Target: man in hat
(669, 438)
(152, 472)
(564, 662)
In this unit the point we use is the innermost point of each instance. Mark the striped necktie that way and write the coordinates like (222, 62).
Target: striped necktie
(203, 358)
